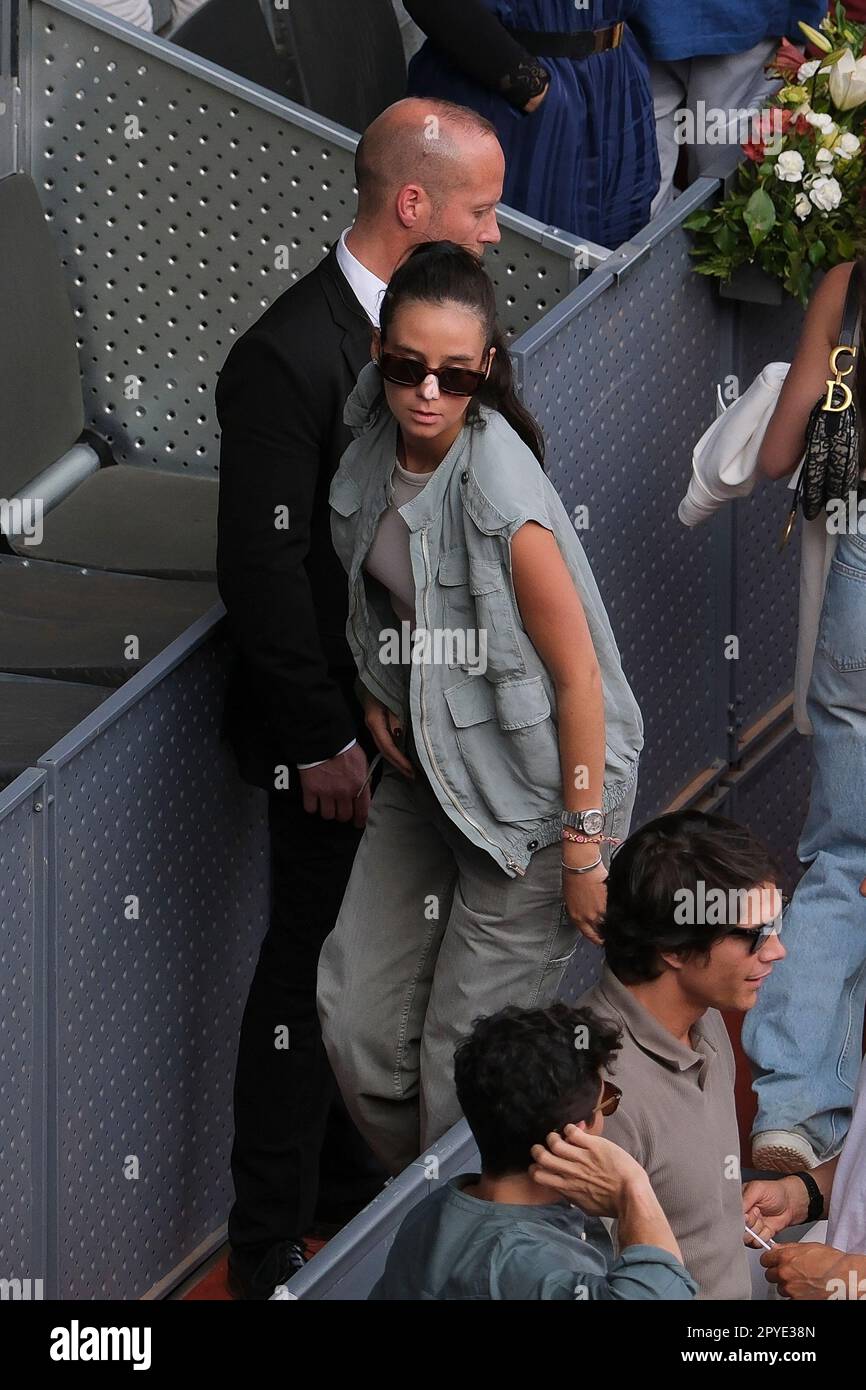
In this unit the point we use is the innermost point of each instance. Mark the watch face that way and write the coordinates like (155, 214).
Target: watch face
(593, 822)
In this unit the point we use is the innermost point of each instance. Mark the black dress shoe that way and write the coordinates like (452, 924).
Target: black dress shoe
(256, 1278)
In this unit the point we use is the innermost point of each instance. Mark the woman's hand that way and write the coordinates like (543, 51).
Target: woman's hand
(585, 897)
(534, 102)
(386, 729)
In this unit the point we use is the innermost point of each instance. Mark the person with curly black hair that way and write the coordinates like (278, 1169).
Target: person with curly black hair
(690, 927)
(524, 1076)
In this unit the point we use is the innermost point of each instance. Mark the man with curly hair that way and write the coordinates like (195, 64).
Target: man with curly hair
(523, 1077)
(691, 927)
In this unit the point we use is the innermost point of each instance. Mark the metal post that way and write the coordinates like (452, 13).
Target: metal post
(9, 90)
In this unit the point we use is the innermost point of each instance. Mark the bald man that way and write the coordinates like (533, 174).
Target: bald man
(425, 170)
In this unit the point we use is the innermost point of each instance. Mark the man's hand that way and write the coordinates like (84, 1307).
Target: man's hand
(771, 1206)
(331, 788)
(604, 1180)
(805, 1271)
(585, 896)
(587, 1170)
(386, 729)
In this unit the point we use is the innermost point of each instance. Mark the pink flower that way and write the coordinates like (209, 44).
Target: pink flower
(789, 58)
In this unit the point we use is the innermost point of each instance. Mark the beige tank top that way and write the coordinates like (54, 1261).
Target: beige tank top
(388, 557)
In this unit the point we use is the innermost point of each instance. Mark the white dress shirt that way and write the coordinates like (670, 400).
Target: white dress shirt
(367, 287)
(368, 290)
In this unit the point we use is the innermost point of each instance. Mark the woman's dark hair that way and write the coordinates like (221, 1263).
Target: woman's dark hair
(524, 1072)
(441, 272)
(644, 916)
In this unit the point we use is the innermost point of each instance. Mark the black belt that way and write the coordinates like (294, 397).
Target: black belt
(580, 45)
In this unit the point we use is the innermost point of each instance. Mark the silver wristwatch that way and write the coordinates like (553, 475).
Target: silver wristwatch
(586, 822)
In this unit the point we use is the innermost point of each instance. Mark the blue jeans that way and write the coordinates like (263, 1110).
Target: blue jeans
(804, 1035)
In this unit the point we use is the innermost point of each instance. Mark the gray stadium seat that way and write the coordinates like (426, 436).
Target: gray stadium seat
(125, 519)
(100, 524)
(67, 624)
(34, 714)
(350, 1264)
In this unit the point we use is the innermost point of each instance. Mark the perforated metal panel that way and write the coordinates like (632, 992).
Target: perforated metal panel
(767, 583)
(582, 973)
(766, 334)
(150, 819)
(22, 1015)
(623, 390)
(181, 209)
(773, 798)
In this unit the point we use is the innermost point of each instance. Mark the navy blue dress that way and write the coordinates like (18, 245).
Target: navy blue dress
(586, 159)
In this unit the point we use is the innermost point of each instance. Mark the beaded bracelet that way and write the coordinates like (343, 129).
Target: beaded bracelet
(589, 839)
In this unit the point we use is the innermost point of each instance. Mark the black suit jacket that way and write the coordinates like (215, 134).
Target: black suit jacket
(280, 398)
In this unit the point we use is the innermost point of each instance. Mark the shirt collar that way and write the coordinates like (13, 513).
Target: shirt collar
(367, 287)
(650, 1034)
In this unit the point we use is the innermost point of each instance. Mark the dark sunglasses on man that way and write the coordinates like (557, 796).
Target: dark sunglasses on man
(453, 381)
(757, 935)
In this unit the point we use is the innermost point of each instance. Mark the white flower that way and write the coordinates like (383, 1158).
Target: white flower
(824, 159)
(802, 206)
(824, 123)
(848, 81)
(790, 166)
(826, 194)
(847, 146)
(807, 70)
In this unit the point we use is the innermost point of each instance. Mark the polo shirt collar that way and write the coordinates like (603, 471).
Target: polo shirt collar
(650, 1034)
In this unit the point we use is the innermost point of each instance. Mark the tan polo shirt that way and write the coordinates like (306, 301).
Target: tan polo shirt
(678, 1118)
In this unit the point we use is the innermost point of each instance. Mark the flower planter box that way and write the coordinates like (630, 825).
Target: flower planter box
(754, 285)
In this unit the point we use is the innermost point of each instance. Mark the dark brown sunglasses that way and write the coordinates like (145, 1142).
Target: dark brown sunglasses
(408, 371)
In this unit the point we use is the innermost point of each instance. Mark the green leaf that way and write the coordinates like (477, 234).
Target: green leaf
(719, 270)
(726, 239)
(790, 236)
(817, 252)
(846, 246)
(759, 216)
(697, 220)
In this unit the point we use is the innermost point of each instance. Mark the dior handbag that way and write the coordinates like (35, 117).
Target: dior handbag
(831, 467)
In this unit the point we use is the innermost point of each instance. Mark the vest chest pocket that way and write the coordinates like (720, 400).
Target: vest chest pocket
(458, 608)
(494, 614)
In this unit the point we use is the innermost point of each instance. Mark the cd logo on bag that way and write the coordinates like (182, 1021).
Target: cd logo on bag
(847, 397)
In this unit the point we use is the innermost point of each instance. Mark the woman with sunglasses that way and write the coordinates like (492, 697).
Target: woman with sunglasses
(494, 691)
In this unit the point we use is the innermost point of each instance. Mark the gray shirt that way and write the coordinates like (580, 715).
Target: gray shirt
(453, 1246)
(678, 1118)
(388, 559)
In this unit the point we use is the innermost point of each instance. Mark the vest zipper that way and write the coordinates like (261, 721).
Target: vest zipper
(511, 863)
